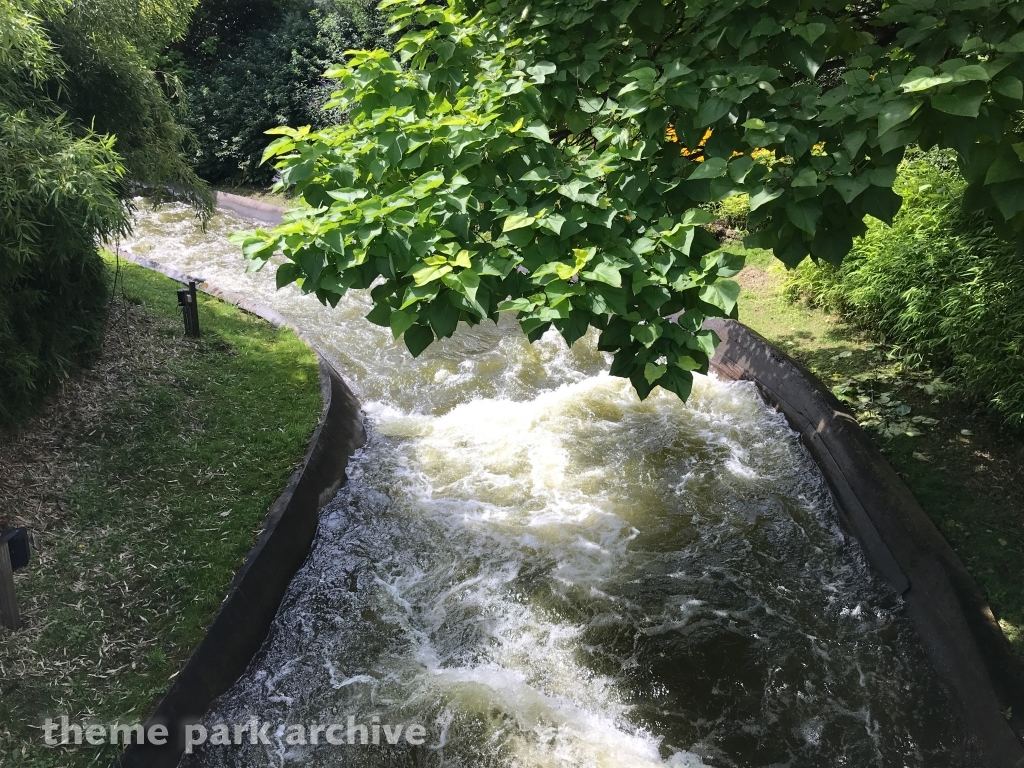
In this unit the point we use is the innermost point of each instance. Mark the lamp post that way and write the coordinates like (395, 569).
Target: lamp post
(189, 308)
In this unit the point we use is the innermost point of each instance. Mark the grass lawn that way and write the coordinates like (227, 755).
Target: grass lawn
(962, 466)
(146, 481)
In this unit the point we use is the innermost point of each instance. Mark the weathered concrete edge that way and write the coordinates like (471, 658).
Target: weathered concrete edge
(253, 209)
(948, 609)
(244, 618)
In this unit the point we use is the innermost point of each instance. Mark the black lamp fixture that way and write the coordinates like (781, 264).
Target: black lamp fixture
(17, 542)
(189, 308)
(15, 553)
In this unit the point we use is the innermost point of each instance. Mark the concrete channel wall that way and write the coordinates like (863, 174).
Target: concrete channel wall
(948, 609)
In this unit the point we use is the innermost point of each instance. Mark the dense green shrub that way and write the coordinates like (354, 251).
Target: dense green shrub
(251, 66)
(939, 284)
(72, 75)
(58, 194)
(110, 49)
(733, 212)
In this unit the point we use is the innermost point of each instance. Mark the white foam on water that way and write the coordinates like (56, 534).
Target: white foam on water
(545, 571)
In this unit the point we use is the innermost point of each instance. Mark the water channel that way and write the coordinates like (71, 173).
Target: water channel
(544, 571)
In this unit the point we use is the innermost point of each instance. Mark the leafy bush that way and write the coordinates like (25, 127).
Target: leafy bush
(66, 176)
(733, 212)
(939, 284)
(243, 80)
(109, 49)
(58, 194)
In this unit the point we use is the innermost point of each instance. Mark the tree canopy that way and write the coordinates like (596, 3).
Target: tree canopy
(251, 65)
(557, 158)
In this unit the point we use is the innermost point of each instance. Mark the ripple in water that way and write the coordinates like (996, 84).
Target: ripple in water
(547, 572)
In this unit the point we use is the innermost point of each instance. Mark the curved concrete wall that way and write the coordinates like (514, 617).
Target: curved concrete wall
(949, 611)
(245, 616)
(253, 209)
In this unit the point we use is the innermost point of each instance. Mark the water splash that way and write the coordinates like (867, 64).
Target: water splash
(547, 572)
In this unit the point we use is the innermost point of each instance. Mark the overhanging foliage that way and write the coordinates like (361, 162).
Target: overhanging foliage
(515, 156)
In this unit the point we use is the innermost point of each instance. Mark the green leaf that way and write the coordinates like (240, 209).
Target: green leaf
(897, 112)
(443, 317)
(312, 260)
(764, 195)
(538, 130)
(713, 110)
(577, 121)
(1009, 198)
(853, 141)
(287, 273)
(634, 151)
(730, 264)
(333, 241)
(1004, 169)
(923, 79)
(810, 32)
(516, 305)
(678, 381)
(654, 372)
(542, 69)
(676, 69)
(646, 334)
(696, 217)
(712, 168)
(604, 273)
(558, 291)
(806, 177)
(1010, 87)
(401, 322)
(553, 222)
(380, 315)
(427, 182)
(428, 274)
(257, 248)
(849, 187)
(722, 294)
(881, 203)
(971, 73)
(962, 103)
(415, 293)
(518, 220)
(417, 338)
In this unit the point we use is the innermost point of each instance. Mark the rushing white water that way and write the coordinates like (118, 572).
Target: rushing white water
(545, 571)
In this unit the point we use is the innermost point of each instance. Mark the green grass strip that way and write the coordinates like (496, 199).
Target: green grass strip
(164, 499)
